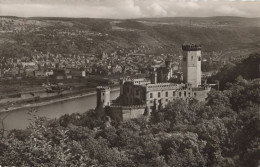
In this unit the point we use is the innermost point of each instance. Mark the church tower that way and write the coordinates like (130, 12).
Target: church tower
(192, 64)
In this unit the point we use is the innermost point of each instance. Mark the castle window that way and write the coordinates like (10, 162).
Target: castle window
(166, 100)
(103, 94)
(166, 94)
(191, 57)
(184, 93)
(199, 58)
(180, 94)
(151, 95)
(151, 101)
(189, 94)
(159, 94)
(195, 93)
(173, 93)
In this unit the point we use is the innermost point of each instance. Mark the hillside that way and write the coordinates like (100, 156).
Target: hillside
(86, 35)
(249, 68)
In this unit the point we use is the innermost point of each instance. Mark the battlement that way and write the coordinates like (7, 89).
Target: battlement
(136, 81)
(128, 107)
(163, 86)
(191, 47)
(103, 88)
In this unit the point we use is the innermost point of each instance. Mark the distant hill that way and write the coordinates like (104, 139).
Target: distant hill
(210, 21)
(214, 33)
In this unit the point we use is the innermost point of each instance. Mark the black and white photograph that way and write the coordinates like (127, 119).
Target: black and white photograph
(129, 83)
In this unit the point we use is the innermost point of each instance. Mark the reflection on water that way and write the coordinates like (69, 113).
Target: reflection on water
(19, 119)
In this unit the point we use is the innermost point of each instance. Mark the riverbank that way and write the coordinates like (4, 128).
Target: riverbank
(53, 99)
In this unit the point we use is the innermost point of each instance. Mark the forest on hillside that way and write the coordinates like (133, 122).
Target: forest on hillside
(224, 131)
(248, 68)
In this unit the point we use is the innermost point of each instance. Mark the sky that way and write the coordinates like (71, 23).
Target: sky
(122, 9)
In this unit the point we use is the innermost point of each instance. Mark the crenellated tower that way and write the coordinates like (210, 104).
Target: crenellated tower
(192, 64)
(103, 96)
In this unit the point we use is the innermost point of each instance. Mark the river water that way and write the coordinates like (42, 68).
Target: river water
(20, 119)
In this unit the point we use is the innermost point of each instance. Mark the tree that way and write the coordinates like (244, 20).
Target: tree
(183, 149)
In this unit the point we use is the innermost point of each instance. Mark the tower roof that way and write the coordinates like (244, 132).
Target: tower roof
(191, 47)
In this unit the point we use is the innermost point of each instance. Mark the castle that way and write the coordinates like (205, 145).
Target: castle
(139, 97)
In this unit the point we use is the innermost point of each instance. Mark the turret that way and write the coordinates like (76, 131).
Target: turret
(103, 96)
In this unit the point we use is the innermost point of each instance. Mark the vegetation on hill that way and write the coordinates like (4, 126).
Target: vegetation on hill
(224, 131)
(248, 68)
(213, 33)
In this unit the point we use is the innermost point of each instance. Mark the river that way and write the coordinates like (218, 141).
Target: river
(20, 119)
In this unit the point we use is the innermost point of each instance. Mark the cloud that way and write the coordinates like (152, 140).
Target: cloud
(189, 5)
(227, 10)
(157, 10)
(128, 8)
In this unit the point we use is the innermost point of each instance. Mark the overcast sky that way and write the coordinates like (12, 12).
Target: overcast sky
(129, 8)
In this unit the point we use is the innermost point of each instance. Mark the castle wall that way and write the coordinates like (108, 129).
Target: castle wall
(201, 94)
(159, 95)
(131, 113)
(133, 94)
(115, 113)
(124, 113)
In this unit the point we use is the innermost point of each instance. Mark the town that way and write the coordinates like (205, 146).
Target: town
(44, 56)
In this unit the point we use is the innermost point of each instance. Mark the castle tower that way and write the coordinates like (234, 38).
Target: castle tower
(168, 62)
(192, 64)
(103, 96)
(153, 75)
